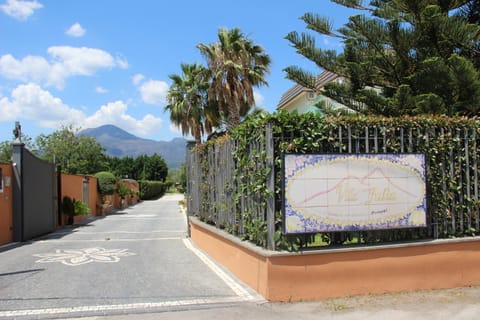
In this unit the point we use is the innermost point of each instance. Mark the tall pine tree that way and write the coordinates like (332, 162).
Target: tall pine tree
(400, 56)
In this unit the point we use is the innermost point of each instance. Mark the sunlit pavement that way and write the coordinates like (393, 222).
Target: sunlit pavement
(139, 264)
(136, 260)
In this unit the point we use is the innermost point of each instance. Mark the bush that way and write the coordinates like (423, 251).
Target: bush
(122, 190)
(106, 182)
(80, 208)
(151, 189)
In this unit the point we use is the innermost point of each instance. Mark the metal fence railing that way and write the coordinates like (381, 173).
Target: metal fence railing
(214, 176)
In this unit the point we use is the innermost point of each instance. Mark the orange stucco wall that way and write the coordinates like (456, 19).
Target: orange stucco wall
(6, 203)
(344, 272)
(114, 201)
(247, 265)
(72, 186)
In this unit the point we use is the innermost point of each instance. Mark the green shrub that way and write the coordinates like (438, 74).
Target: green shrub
(151, 189)
(122, 190)
(106, 182)
(80, 208)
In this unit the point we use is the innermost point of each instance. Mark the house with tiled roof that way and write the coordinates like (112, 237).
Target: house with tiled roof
(305, 100)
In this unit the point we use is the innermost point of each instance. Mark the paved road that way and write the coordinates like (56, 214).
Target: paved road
(138, 264)
(137, 260)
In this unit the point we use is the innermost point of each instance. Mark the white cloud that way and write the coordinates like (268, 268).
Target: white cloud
(76, 30)
(154, 92)
(259, 99)
(138, 78)
(116, 113)
(121, 62)
(101, 90)
(65, 62)
(19, 9)
(29, 101)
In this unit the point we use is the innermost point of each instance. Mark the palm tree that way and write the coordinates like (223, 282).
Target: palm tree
(236, 65)
(187, 101)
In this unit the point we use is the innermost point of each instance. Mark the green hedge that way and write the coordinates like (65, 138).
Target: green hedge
(106, 182)
(152, 189)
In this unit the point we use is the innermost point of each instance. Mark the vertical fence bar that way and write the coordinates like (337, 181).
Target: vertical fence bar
(475, 178)
(375, 139)
(367, 140)
(452, 177)
(467, 179)
(460, 182)
(340, 142)
(270, 187)
(402, 148)
(220, 193)
(384, 140)
(444, 179)
(349, 139)
(233, 188)
(427, 165)
(198, 184)
(410, 140)
(212, 210)
(357, 140)
(241, 226)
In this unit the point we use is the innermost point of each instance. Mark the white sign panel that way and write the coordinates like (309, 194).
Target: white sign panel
(345, 192)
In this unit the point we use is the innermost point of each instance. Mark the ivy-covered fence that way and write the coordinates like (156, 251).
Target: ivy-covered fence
(235, 182)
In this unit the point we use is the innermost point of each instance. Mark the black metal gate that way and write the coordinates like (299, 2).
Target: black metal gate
(33, 196)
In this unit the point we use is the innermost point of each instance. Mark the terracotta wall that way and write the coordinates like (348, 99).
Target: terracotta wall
(112, 202)
(72, 186)
(6, 204)
(343, 272)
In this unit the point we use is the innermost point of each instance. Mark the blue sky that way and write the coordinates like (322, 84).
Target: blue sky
(94, 62)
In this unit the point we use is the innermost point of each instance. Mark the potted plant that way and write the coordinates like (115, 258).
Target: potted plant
(80, 208)
(72, 207)
(68, 209)
(122, 191)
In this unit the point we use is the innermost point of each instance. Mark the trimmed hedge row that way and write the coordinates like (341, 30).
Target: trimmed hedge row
(106, 182)
(152, 189)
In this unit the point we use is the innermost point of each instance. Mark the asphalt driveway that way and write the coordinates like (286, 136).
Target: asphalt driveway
(136, 260)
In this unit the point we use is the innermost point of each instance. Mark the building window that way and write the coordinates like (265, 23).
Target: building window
(311, 95)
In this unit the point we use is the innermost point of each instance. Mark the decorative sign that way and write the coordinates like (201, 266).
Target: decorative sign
(346, 192)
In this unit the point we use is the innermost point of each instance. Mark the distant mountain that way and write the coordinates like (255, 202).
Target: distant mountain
(120, 143)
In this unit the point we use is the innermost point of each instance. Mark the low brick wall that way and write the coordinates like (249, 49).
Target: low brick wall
(330, 273)
(72, 186)
(6, 203)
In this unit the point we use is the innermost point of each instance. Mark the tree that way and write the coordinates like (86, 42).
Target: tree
(6, 151)
(236, 66)
(471, 13)
(6, 148)
(188, 103)
(124, 167)
(402, 57)
(76, 154)
(156, 168)
(143, 167)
